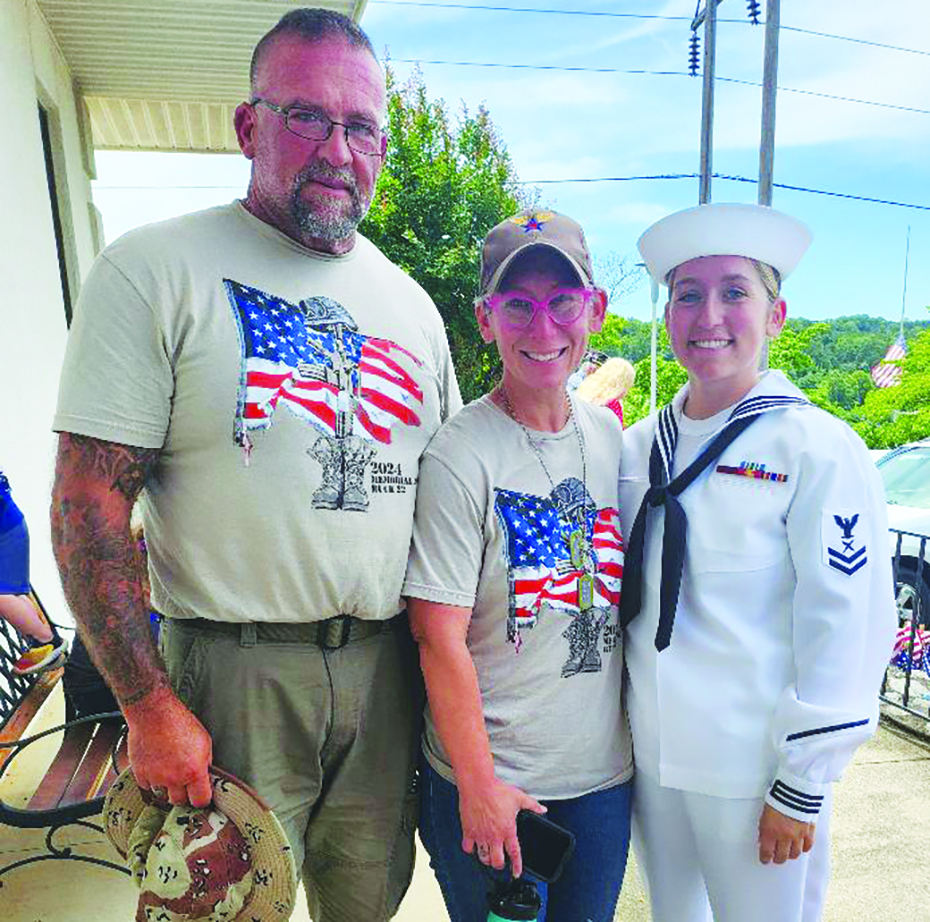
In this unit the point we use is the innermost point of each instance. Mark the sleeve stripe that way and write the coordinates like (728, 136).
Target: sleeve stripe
(832, 729)
(797, 800)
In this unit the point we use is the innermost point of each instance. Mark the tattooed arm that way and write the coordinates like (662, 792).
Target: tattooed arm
(96, 485)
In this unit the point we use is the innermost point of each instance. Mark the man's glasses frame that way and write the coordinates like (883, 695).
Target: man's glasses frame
(356, 134)
(496, 302)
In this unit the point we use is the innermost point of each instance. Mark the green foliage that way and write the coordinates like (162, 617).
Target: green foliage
(848, 344)
(830, 361)
(623, 336)
(841, 390)
(790, 352)
(446, 182)
(891, 416)
(617, 338)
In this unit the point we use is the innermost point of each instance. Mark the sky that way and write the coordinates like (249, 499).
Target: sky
(561, 125)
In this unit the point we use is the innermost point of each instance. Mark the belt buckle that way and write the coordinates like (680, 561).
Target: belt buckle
(334, 632)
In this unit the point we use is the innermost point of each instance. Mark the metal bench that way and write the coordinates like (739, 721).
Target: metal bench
(87, 761)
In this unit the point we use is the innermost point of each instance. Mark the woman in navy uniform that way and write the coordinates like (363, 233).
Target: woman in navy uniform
(757, 592)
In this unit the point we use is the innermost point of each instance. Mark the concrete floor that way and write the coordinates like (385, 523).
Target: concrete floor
(881, 851)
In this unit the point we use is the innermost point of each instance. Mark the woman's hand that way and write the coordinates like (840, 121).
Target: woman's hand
(782, 838)
(489, 821)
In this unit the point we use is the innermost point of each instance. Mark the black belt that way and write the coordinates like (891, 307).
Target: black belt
(331, 634)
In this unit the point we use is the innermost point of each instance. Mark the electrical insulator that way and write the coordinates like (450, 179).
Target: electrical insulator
(694, 54)
(754, 11)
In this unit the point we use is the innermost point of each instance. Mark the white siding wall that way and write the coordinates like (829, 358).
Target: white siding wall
(32, 316)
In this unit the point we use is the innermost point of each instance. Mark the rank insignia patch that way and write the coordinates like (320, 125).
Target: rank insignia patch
(752, 470)
(843, 540)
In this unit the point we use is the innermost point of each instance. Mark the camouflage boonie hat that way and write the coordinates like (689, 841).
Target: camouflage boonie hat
(228, 862)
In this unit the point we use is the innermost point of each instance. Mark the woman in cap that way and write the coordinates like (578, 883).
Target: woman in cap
(757, 598)
(512, 587)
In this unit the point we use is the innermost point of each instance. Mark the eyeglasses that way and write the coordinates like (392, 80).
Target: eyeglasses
(315, 126)
(518, 310)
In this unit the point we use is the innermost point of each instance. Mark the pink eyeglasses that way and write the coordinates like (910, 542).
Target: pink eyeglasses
(518, 310)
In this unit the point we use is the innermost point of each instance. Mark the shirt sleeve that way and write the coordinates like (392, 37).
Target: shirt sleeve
(447, 549)
(843, 620)
(117, 380)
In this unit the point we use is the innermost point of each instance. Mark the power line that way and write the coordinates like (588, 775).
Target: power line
(861, 102)
(557, 12)
(549, 12)
(657, 73)
(592, 179)
(847, 38)
(725, 177)
(846, 195)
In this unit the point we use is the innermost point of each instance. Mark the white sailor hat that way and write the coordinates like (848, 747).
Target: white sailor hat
(724, 229)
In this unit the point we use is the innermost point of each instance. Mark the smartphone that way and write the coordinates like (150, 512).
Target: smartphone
(544, 845)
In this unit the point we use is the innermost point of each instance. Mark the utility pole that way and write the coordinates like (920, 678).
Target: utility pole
(769, 90)
(709, 17)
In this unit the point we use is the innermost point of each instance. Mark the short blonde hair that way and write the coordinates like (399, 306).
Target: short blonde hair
(612, 380)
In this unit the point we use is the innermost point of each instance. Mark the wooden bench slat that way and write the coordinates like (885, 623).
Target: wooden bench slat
(94, 765)
(50, 792)
(122, 761)
(16, 726)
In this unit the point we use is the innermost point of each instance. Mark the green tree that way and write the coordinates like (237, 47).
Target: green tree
(891, 416)
(841, 391)
(670, 376)
(623, 336)
(446, 182)
(790, 351)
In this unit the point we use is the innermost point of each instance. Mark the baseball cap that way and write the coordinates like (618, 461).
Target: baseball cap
(505, 242)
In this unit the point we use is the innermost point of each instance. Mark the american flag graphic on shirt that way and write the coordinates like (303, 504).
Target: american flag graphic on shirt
(277, 337)
(537, 547)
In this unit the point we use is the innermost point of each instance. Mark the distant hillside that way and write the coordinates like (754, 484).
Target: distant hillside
(852, 343)
(830, 360)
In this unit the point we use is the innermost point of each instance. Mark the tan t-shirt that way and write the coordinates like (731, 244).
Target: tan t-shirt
(493, 534)
(291, 394)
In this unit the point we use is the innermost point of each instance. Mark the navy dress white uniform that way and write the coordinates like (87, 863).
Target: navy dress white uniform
(764, 680)
(770, 680)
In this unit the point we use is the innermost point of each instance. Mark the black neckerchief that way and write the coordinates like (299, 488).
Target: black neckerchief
(663, 491)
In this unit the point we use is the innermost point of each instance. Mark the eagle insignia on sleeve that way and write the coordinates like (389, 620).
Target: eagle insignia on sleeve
(843, 547)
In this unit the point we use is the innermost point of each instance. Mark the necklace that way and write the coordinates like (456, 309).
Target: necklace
(571, 508)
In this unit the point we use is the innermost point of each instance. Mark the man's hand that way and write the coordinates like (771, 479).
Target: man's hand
(782, 838)
(170, 748)
(489, 820)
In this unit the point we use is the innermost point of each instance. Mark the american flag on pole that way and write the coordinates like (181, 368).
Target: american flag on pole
(906, 657)
(888, 375)
(317, 368)
(541, 572)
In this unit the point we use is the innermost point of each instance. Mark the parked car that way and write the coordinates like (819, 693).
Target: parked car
(905, 472)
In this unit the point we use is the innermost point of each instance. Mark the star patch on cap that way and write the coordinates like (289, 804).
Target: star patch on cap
(532, 222)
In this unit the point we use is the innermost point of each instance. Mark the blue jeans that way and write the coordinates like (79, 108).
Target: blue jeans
(589, 886)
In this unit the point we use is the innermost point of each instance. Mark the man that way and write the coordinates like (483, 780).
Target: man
(270, 380)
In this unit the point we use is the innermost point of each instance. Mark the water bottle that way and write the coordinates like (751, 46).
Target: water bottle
(517, 901)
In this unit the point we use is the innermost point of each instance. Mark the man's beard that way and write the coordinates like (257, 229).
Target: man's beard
(336, 223)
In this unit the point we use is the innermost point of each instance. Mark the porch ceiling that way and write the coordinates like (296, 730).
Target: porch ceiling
(165, 74)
